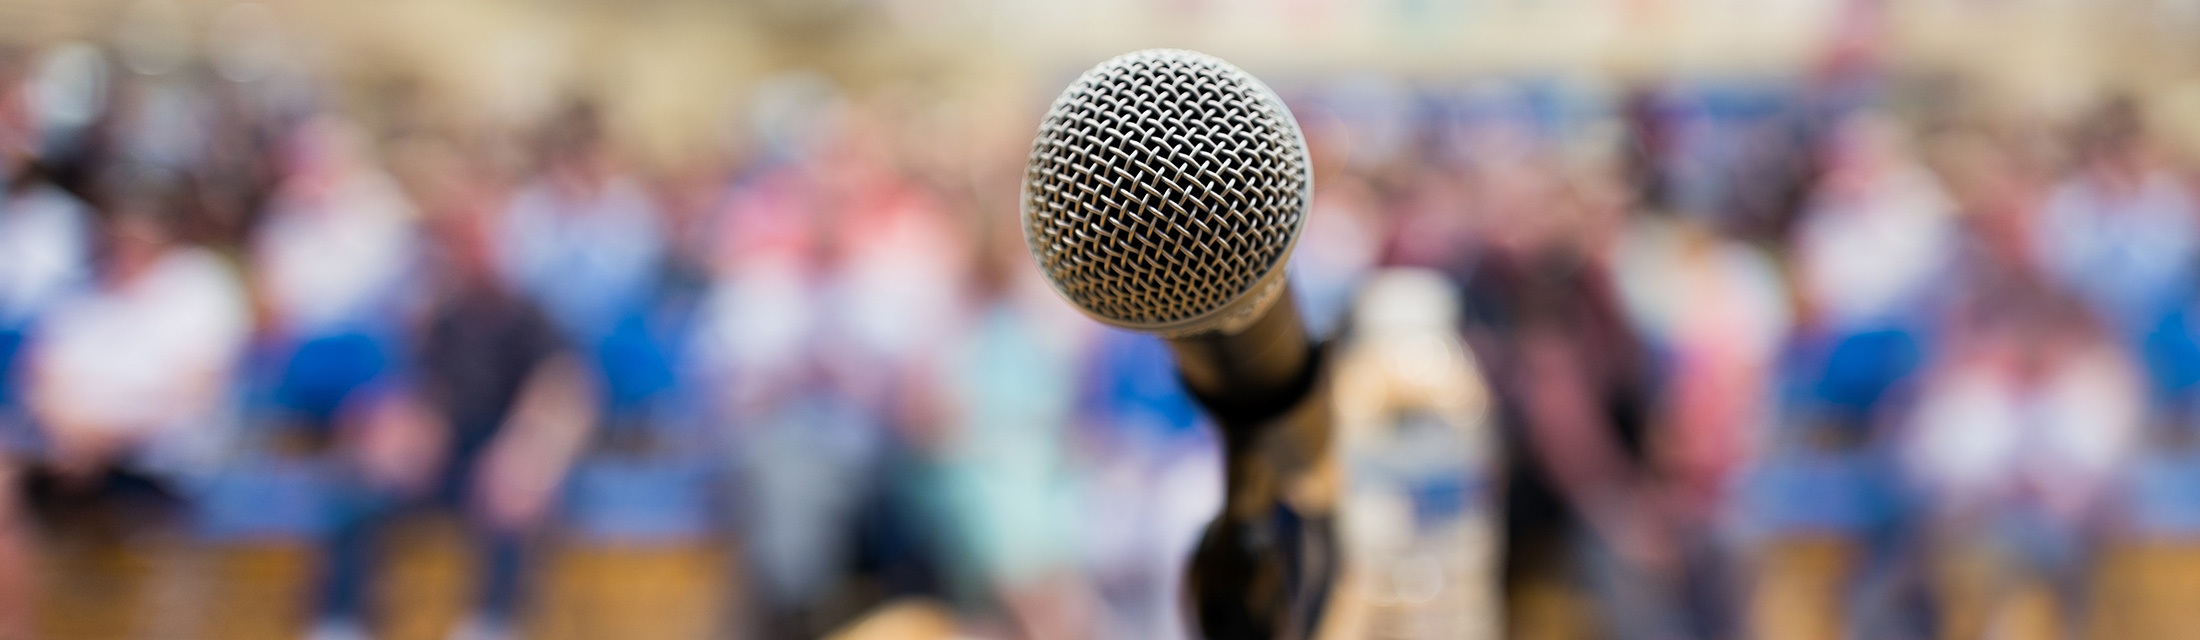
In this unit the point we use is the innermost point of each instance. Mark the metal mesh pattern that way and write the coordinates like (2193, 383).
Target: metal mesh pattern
(1163, 186)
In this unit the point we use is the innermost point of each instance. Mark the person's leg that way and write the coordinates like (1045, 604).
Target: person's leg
(1971, 577)
(500, 551)
(2069, 573)
(1711, 594)
(16, 581)
(1634, 602)
(347, 581)
(351, 558)
(503, 574)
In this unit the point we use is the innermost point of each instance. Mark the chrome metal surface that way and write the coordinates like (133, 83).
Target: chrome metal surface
(1164, 192)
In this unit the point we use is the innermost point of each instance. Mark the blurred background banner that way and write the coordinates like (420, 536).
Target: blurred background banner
(487, 319)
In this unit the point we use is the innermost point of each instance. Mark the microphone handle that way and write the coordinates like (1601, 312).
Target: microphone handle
(1261, 369)
(1264, 568)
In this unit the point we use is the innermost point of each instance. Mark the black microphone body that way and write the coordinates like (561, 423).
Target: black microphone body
(1165, 192)
(1264, 567)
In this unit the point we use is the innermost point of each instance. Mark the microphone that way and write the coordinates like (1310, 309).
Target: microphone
(1164, 193)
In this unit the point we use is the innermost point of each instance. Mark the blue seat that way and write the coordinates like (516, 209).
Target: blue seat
(626, 500)
(268, 498)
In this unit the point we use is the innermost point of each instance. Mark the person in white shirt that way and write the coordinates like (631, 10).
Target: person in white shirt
(2018, 444)
(134, 372)
(334, 263)
(583, 241)
(1877, 236)
(128, 379)
(44, 248)
(2122, 233)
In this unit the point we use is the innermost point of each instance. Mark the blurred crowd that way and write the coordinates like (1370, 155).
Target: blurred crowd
(1857, 310)
(235, 315)
(1713, 316)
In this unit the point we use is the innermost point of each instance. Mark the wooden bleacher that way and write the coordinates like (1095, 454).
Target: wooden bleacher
(116, 590)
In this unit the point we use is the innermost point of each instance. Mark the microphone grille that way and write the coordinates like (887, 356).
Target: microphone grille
(1164, 192)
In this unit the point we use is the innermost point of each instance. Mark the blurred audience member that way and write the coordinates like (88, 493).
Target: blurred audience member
(512, 404)
(1015, 493)
(1877, 235)
(44, 231)
(1716, 313)
(1571, 378)
(2017, 440)
(1154, 471)
(333, 259)
(131, 383)
(133, 375)
(2121, 232)
(1874, 249)
(584, 240)
(1342, 240)
(45, 249)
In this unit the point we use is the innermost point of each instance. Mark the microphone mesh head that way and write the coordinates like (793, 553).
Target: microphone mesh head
(1164, 192)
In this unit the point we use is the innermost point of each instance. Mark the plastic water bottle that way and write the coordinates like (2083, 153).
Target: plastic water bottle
(1413, 432)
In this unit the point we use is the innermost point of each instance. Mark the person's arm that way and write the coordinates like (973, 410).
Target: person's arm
(1573, 441)
(547, 430)
(399, 441)
(78, 445)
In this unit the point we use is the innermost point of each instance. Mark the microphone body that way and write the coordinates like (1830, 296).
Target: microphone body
(1265, 566)
(1164, 194)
